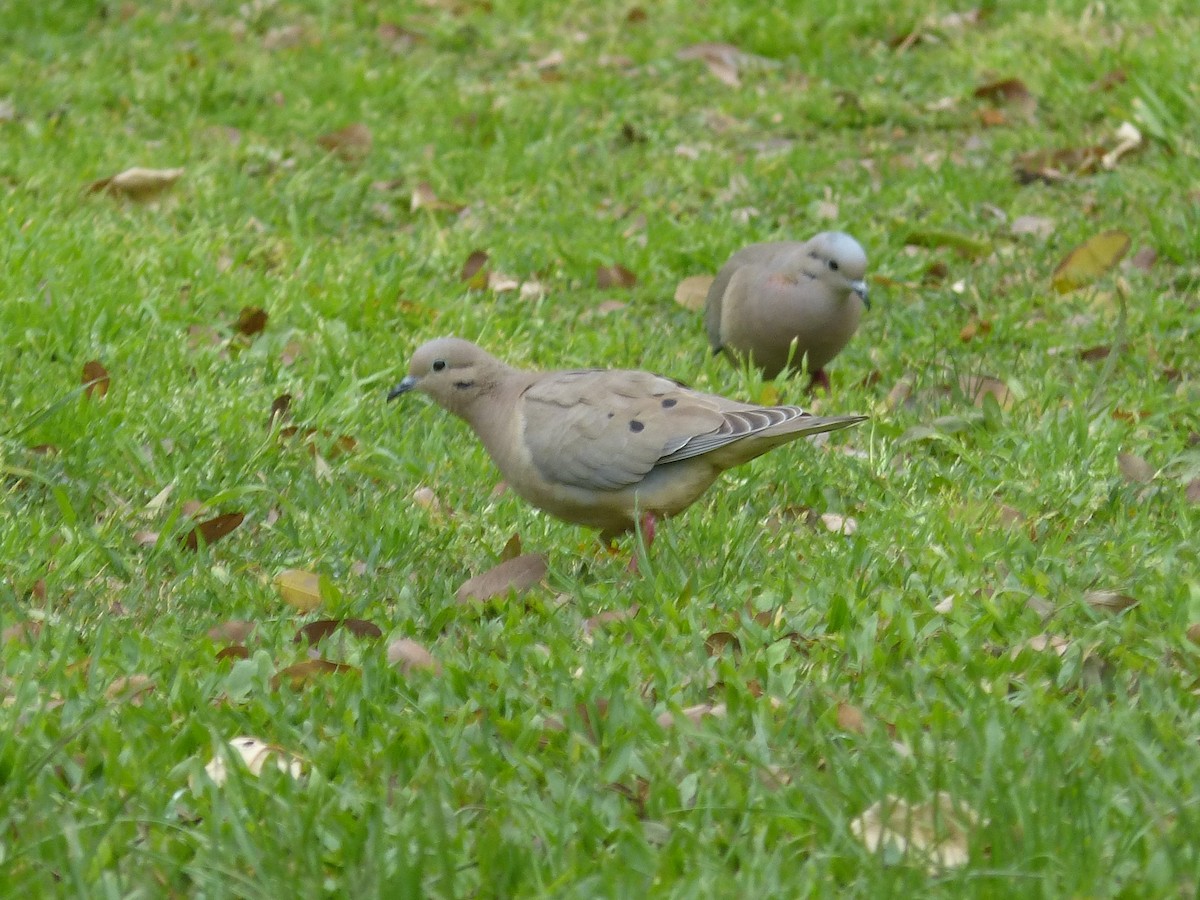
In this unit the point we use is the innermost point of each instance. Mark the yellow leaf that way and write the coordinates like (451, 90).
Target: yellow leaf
(1090, 260)
(299, 589)
(692, 292)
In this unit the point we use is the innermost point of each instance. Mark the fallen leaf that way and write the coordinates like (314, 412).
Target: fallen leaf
(473, 272)
(426, 499)
(1091, 259)
(350, 144)
(990, 117)
(839, 524)
(1108, 80)
(850, 718)
(233, 651)
(334, 446)
(1128, 139)
(1056, 165)
(1006, 90)
(594, 623)
(284, 37)
(720, 641)
(1193, 633)
(900, 392)
(1095, 354)
(694, 714)
(26, 632)
(1144, 259)
(974, 328)
(1038, 226)
(1193, 491)
(299, 589)
(423, 197)
(96, 379)
(315, 632)
(398, 39)
(137, 183)
(692, 292)
(610, 306)
(936, 831)
(1109, 601)
(962, 243)
(409, 656)
(234, 630)
(280, 407)
(250, 321)
(724, 61)
(130, 688)
(145, 538)
(614, 276)
(300, 674)
(513, 576)
(254, 754)
(512, 548)
(980, 387)
(1134, 468)
(212, 530)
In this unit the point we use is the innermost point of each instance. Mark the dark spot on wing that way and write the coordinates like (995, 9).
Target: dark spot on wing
(668, 403)
(610, 415)
(635, 425)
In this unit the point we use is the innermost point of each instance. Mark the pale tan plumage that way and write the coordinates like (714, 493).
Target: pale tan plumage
(601, 447)
(769, 295)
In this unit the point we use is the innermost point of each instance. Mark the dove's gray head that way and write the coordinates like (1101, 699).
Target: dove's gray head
(453, 372)
(839, 261)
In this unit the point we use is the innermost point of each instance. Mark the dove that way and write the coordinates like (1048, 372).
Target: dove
(604, 448)
(770, 295)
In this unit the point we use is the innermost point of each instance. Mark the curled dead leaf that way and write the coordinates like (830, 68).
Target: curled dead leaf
(512, 576)
(720, 641)
(299, 589)
(250, 321)
(233, 651)
(409, 657)
(692, 292)
(137, 183)
(96, 379)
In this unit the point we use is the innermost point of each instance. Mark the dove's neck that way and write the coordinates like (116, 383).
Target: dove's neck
(488, 404)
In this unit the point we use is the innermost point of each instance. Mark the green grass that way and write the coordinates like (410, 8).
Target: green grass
(1083, 769)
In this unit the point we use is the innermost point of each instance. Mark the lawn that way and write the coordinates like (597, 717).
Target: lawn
(975, 615)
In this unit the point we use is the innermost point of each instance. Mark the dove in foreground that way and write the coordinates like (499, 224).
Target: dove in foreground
(604, 448)
(768, 297)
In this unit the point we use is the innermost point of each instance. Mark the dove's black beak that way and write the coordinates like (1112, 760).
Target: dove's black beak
(402, 388)
(860, 288)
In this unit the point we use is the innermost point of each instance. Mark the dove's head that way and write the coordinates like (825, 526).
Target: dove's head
(839, 261)
(453, 372)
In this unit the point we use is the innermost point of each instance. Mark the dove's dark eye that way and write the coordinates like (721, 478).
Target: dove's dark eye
(438, 365)
(833, 264)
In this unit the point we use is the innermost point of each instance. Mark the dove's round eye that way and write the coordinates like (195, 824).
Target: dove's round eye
(833, 264)
(438, 365)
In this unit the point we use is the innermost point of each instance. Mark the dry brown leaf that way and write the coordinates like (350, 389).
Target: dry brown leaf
(692, 292)
(694, 714)
(936, 831)
(1109, 601)
(1193, 491)
(512, 548)
(233, 651)
(212, 530)
(318, 439)
(614, 276)
(1134, 468)
(398, 39)
(409, 656)
(350, 144)
(250, 321)
(315, 632)
(610, 306)
(1056, 165)
(724, 61)
(974, 328)
(1108, 80)
(300, 674)
(1095, 354)
(145, 538)
(1193, 633)
(900, 392)
(980, 387)
(720, 641)
(137, 183)
(426, 499)
(299, 589)
(1005, 90)
(850, 718)
(595, 623)
(1144, 259)
(235, 631)
(423, 197)
(513, 576)
(96, 377)
(130, 688)
(473, 271)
